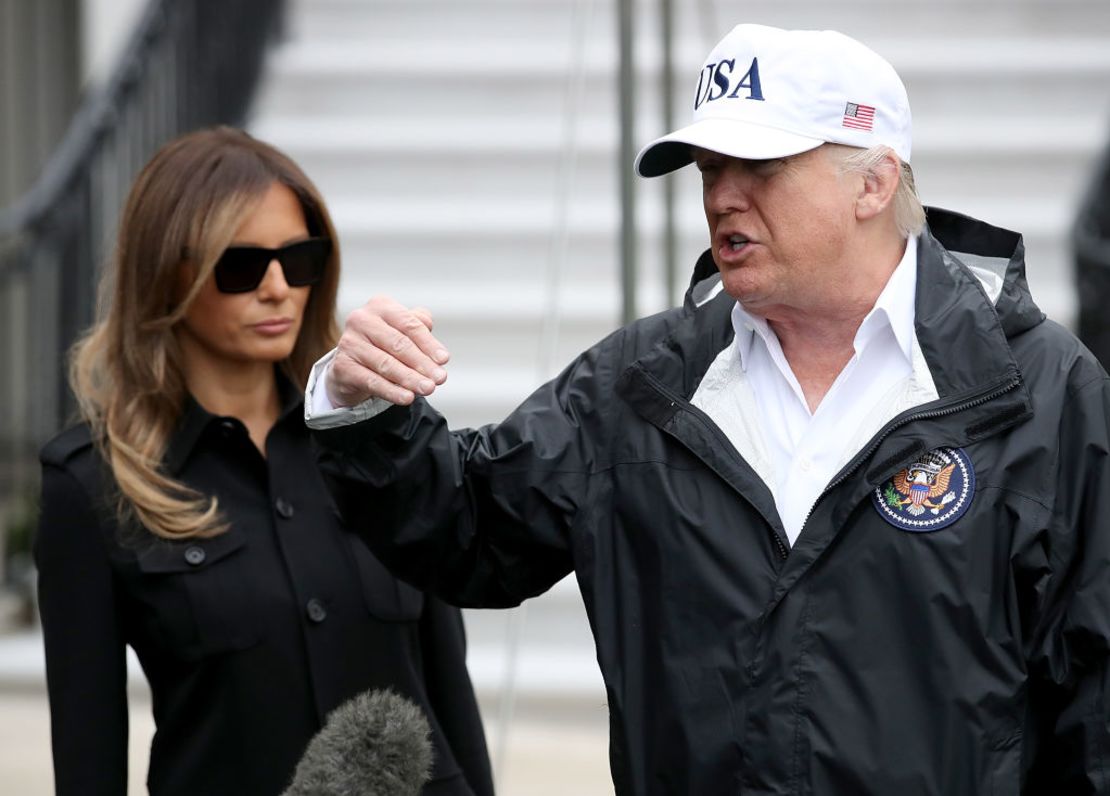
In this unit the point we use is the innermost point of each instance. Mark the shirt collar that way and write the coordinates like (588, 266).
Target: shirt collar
(747, 326)
(195, 420)
(894, 308)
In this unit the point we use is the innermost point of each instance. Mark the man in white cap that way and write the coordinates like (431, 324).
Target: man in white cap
(841, 522)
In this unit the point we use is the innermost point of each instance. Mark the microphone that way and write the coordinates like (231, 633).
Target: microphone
(375, 744)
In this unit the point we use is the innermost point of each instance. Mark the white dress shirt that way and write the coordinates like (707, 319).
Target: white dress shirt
(751, 393)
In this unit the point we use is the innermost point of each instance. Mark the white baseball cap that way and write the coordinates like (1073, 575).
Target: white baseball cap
(765, 93)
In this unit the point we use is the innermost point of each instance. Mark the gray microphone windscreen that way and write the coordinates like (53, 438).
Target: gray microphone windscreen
(375, 744)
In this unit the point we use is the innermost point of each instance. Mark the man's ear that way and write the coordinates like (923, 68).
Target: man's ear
(877, 189)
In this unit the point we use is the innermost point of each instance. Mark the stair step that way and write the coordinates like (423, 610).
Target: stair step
(501, 268)
(866, 19)
(496, 136)
(354, 159)
(529, 75)
(455, 58)
(434, 222)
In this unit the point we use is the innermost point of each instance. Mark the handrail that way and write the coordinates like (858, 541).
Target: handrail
(96, 116)
(83, 132)
(187, 64)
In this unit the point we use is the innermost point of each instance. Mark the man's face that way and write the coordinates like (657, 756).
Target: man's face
(779, 229)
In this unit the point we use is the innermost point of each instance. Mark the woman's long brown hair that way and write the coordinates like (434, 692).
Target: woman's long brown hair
(126, 371)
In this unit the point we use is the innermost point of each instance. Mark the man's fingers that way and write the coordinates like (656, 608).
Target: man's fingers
(425, 316)
(386, 351)
(349, 384)
(392, 352)
(414, 326)
(382, 388)
(360, 354)
(402, 333)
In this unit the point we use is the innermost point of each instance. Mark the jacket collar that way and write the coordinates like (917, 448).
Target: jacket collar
(983, 247)
(962, 329)
(951, 305)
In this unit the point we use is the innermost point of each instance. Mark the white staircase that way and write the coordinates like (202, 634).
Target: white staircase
(467, 149)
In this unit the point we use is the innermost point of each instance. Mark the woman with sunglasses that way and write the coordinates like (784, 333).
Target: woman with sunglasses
(185, 516)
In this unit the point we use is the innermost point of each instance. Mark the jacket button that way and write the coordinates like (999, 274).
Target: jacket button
(227, 427)
(284, 508)
(194, 555)
(316, 611)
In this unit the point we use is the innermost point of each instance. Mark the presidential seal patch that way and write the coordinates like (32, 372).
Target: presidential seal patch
(930, 494)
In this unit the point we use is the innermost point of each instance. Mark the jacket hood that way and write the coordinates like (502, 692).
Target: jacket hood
(993, 255)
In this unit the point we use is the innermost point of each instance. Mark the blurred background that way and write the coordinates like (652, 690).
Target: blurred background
(475, 155)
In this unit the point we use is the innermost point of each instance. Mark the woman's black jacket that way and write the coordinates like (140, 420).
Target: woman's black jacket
(248, 639)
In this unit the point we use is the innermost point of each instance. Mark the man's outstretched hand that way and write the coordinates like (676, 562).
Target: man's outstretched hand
(386, 351)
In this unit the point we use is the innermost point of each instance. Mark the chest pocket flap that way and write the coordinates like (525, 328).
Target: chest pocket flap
(189, 556)
(197, 595)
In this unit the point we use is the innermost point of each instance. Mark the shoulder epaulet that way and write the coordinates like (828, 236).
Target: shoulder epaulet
(66, 444)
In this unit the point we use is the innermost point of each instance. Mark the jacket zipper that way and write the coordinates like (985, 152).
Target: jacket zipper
(781, 548)
(890, 427)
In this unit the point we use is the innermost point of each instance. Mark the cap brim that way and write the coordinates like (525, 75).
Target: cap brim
(726, 136)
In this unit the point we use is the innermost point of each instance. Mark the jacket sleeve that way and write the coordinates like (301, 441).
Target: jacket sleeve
(85, 653)
(1070, 689)
(451, 694)
(480, 517)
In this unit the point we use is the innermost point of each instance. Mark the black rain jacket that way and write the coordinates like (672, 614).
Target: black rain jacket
(969, 660)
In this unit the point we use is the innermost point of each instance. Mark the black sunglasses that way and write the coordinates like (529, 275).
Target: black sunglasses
(240, 268)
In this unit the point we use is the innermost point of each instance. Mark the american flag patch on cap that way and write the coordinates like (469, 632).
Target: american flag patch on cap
(859, 117)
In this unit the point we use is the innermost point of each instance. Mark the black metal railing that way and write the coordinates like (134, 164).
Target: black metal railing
(1091, 244)
(188, 64)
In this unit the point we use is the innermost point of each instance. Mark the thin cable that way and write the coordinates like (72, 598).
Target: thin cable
(581, 23)
(626, 104)
(666, 87)
(707, 16)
